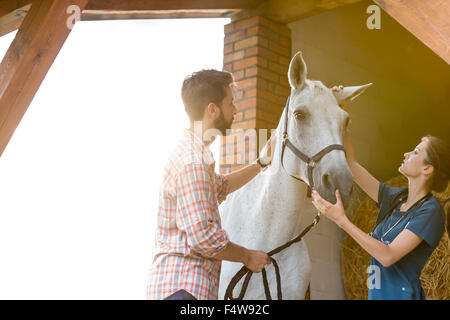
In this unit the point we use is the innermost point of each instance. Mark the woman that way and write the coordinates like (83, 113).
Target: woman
(410, 221)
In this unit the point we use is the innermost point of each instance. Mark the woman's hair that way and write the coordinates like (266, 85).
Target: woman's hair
(438, 155)
(447, 210)
(203, 87)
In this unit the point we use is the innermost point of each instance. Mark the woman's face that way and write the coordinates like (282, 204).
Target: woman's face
(414, 163)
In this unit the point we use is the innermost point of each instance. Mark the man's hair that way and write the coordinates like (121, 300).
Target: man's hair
(203, 87)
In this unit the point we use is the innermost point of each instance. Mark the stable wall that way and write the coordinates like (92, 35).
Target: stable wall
(409, 99)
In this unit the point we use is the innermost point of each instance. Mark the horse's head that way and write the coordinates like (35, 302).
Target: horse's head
(315, 121)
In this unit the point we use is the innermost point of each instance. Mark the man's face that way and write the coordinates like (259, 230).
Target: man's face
(227, 112)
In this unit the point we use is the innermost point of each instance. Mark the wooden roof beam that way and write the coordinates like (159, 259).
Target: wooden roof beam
(426, 20)
(155, 5)
(12, 21)
(286, 11)
(8, 6)
(28, 59)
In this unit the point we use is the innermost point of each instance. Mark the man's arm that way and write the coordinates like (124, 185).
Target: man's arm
(203, 234)
(252, 259)
(240, 177)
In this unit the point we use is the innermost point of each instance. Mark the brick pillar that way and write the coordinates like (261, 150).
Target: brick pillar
(257, 51)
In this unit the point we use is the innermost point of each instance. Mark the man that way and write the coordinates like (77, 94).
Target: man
(190, 242)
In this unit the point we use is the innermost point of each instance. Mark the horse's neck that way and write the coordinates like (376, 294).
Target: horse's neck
(285, 194)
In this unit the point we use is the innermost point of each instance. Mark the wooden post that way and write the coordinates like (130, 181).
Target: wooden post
(30, 56)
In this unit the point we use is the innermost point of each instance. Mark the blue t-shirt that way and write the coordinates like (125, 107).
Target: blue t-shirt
(401, 280)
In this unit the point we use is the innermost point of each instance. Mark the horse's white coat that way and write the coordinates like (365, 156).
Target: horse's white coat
(268, 211)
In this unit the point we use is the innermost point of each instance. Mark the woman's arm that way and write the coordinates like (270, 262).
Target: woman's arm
(362, 177)
(387, 255)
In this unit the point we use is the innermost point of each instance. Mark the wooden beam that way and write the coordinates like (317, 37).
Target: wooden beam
(89, 15)
(32, 52)
(13, 20)
(426, 20)
(142, 5)
(8, 6)
(286, 11)
(164, 9)
(136, 9)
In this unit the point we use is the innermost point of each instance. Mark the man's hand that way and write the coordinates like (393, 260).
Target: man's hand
(267, 152)
(256, 260)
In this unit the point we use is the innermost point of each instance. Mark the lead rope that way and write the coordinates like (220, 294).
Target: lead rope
(244, 271)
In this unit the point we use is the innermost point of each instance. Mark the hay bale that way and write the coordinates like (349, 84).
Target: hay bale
(435, 275)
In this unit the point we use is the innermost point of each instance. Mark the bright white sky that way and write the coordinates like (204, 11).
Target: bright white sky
(79, 180)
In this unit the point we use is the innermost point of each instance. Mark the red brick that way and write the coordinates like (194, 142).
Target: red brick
(250, 72)
(267, 116)
(279, 49)
(269, 75)
(245, 43)
(245, 23)
(250, 93)
(263, 42)
(228, 48)
(252, 31)
(247, 124)
(245, 104)
(275, 67)
(275, 108)
(235, 36)
(250, 114)
(285, 42)
(284, 61)
(269, 96)
(253, 51)
(244, 63)
(228, 28)
(238, 75)
(280, 28)
(236, 55)
(228, 67)
(267, 54)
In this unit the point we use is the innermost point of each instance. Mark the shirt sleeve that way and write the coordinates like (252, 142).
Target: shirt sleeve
(429, 224)
(196, 211)
(222, 187)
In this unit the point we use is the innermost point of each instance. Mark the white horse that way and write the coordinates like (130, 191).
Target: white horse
(267, 212)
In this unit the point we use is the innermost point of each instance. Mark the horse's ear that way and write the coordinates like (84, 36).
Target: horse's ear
(297, 72)
(348, 94)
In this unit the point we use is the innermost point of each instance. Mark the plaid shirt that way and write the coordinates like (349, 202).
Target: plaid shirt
(189, 228)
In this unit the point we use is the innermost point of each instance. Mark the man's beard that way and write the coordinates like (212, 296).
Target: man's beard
(221, 124)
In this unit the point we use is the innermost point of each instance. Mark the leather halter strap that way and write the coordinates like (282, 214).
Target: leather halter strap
(310, 161)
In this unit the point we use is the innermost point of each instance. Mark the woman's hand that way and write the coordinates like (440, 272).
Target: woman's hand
(337, 88)
(334, 212)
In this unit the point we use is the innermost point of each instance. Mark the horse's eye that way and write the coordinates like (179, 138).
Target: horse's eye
(298, 115)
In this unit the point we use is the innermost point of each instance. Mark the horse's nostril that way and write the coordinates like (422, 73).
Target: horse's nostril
(326, 180)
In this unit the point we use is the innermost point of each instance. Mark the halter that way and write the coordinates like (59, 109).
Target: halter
(310, 161)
